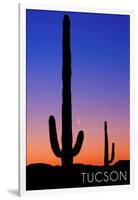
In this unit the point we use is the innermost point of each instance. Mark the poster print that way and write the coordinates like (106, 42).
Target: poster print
(77, 104)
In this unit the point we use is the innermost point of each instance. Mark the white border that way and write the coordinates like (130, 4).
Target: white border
(22, 96)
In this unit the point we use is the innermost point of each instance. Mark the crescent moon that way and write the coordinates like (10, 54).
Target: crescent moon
(78, 121)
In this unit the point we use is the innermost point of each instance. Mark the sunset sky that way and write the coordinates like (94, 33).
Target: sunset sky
(100, 83)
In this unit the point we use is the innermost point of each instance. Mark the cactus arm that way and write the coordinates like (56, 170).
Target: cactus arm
(113, 153)
(78, 144)
(107, 161)
(53, 137)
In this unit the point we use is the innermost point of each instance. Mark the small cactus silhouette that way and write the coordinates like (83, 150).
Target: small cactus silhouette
(106, 152)
(68, 152)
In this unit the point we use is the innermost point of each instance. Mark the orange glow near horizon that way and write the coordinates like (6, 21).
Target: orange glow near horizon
(92, 151)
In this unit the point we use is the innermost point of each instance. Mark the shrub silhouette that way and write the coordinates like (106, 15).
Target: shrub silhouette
(68, 152)
(106, 152)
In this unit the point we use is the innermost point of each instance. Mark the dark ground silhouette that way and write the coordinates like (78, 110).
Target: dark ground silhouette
(44, 176)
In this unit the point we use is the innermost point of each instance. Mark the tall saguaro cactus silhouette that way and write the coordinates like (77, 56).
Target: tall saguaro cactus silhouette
(68, 152)
(107, 161)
